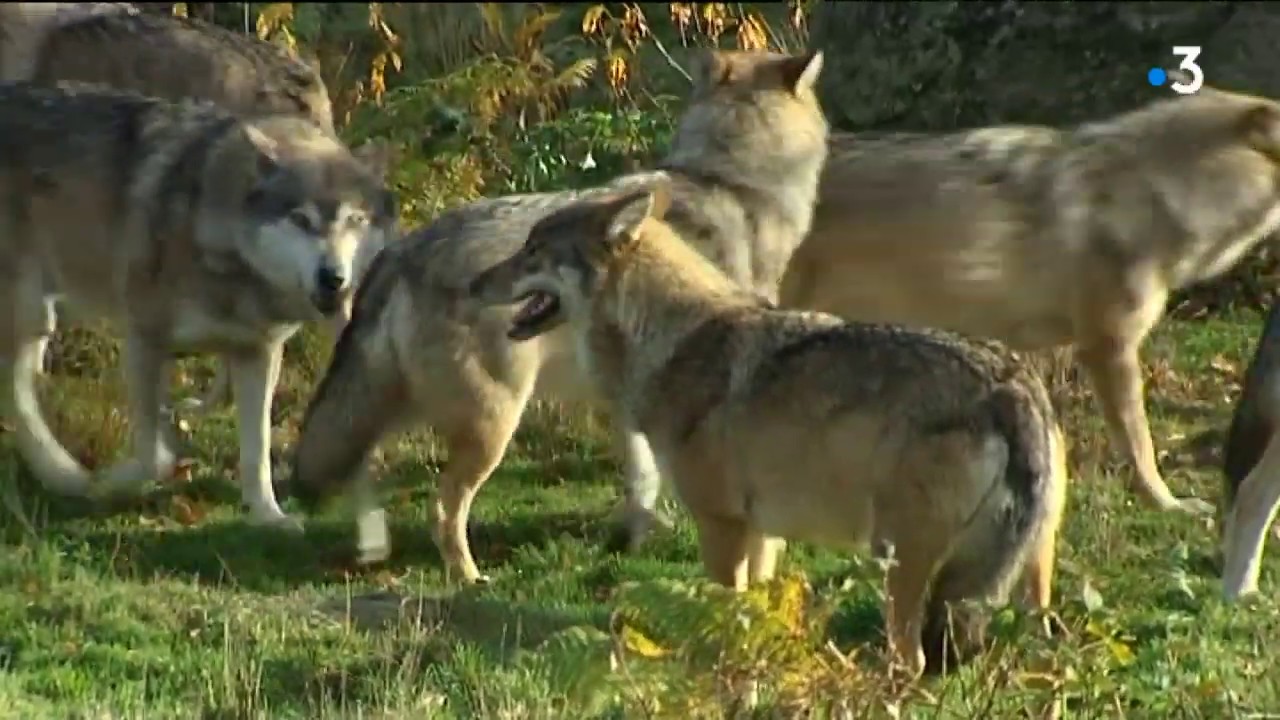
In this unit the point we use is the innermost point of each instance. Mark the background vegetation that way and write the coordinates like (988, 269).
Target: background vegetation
(174, 608)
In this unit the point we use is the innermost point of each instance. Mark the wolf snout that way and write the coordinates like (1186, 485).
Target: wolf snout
(329, 285)
(330, 280)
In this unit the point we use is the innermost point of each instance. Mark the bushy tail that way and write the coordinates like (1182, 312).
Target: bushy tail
(361, 397)
(1019, 508)
(1254, 420)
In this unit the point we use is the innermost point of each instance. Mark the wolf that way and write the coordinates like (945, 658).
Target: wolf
(170, 57)
(191, 230)
(777, 424)
(1045, 237)
(746, 159)
(1251, 465)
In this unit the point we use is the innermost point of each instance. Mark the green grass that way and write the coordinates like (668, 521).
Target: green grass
(175, 608)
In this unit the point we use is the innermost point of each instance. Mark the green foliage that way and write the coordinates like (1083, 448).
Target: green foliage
(493, 127)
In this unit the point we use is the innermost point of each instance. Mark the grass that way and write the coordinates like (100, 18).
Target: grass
(174, 608)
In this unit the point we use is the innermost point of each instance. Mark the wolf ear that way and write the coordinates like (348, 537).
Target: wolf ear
(626, 215)
(378, 156)
(1260, 128)
(800, 72)
(268, 149)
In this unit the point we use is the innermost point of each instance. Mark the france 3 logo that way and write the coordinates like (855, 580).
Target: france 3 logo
(1187, 79)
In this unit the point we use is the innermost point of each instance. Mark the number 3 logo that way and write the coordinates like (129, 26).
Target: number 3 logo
(1188, 53)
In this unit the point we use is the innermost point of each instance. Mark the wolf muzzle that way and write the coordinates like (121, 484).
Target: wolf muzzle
(329, 286)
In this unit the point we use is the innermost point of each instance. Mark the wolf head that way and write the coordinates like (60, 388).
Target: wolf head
(315, 213)
(751, 118)
(567, 256)
(754, 110)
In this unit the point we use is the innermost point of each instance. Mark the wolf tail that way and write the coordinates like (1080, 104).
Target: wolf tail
(1255, 417)
(1023, 504)
(360, 398)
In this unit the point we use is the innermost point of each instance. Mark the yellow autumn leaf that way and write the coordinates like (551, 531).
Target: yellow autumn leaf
(1120, 651)
(271, 17)
(682, 15)
(635, 642)
(791, 601)
(592, 19)
(752, 34)
(617, 71)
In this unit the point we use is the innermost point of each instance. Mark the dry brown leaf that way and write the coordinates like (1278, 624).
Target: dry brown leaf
(186, 511)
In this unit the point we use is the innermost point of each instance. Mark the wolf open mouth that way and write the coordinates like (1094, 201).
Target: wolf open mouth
(539, 313)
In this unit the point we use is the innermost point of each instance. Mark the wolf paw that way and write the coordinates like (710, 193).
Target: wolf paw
(124, 479)
(372, 555)
(191, 405)
(275, 518)
(637, 524)
(641, 523)
(373, 541)
(1194, 506)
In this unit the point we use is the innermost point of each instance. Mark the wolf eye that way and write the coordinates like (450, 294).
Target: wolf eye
(301, 219)
(358, 217)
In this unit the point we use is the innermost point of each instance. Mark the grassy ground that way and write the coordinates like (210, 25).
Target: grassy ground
(176, 609)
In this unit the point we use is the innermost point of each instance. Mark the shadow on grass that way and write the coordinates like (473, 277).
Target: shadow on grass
(1183, 411)
(267, 560)
(498, 627)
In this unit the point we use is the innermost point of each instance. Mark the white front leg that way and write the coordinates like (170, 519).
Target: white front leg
(1247, 520)
(642, 488)
(253, 382)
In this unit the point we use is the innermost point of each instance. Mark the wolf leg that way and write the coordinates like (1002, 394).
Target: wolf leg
(475, 449)
(146, 373)
(253, 381)
(916, 557)
(30, 323)
(1037, 575)
(1116, 372)
(762, 559)
(641, 489)
(373, 539)
(724, 545)
(1253, 511)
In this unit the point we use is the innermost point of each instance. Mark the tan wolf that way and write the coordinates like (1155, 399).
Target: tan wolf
(1043, 237)
(1251, 466)
(115, 44)
(745, 159)
(189, 228)
(790, 424)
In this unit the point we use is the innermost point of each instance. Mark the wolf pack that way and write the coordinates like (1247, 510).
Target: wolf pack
(807, 335)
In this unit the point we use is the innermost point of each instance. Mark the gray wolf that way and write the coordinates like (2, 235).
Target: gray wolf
(745, 163)
(791, 424)
(1251, 465)
(1046, 237)
(188, 228)
(169, 57)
